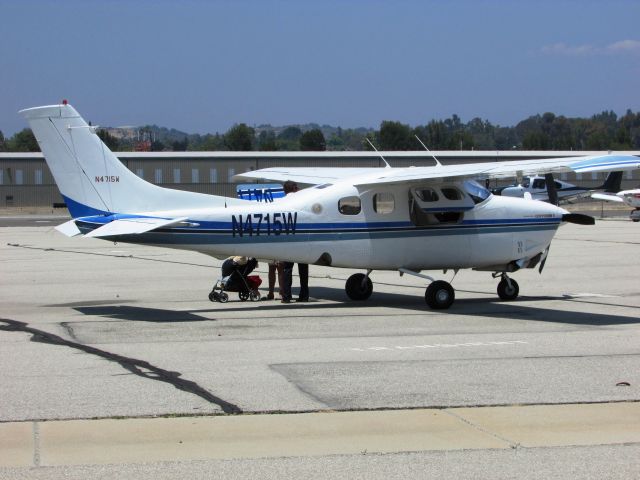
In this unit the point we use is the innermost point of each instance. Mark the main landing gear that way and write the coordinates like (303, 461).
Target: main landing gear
(359, 286)
(439, 295)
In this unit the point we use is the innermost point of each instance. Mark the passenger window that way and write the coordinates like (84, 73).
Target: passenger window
(427, 195)
(451, 193)
(539, 183)
(349, 205)
(383, 203)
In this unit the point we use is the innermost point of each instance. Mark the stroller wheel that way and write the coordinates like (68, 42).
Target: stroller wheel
(244, 296)
(223, 298)
(254, 295)
(213, 296)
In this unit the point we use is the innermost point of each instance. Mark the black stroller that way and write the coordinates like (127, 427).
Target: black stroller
(236, 278)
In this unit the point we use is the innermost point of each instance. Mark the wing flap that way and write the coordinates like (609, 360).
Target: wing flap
(132, 226)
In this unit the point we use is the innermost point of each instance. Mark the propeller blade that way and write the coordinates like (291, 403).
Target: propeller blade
(578, 219)
(545, 255)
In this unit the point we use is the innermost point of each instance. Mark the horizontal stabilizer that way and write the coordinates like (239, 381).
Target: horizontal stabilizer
(70, 229)
(132, 226)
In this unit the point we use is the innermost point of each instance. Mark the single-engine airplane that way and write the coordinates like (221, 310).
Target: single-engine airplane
(537, 188)
(628, 197)
(402, 219)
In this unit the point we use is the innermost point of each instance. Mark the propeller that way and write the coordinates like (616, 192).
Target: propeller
(578, 219)
(545, 255)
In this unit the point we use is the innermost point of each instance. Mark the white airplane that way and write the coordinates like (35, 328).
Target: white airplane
(536, 188)
(629, 197)
(399, 219)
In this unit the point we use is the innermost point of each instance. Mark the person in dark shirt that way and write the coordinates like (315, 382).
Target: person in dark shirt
(303, 268)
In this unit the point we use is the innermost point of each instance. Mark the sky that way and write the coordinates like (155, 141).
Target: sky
(203, 66)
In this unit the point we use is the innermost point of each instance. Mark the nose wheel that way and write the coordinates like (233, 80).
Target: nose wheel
(508, 288)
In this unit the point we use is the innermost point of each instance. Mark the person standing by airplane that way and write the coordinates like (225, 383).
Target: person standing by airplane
(275, 266)
(303, 268)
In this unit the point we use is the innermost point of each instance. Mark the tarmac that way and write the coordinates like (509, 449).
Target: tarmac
(115, 363)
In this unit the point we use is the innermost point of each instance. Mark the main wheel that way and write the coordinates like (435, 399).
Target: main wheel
(223, 298)
(439, 295)
(358, 287)
(213, 296)
(506, 292)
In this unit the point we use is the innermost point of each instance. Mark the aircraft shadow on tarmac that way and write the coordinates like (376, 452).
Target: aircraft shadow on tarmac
(141, 314)
(475, 307)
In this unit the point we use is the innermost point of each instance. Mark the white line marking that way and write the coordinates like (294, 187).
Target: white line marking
(438, 345)
(587, 295)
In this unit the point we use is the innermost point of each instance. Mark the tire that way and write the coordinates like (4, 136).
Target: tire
(356, 290)
(439, 295)
(506, 292)
(244, 296)
(254, 296)
(213, 296)
(223, 298)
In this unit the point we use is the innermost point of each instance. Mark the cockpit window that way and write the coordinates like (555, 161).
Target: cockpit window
(476, 191)
(539, 183)
(349, 205)
(427, 195)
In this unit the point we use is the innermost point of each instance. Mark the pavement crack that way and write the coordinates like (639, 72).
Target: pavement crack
(512, 444)
(138, 367)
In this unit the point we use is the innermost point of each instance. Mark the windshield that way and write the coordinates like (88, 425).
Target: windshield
(476, 191)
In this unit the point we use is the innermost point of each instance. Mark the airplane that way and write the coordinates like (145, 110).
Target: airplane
(629, 197)
(536, 187)
(399, 219)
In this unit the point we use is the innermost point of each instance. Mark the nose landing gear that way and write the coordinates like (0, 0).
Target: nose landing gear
(508, 288)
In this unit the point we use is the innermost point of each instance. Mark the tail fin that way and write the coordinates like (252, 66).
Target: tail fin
(91, 178)
(612, 182)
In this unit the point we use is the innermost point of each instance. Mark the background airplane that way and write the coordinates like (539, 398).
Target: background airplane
(536, 186)
(399, 219)
(628, 197)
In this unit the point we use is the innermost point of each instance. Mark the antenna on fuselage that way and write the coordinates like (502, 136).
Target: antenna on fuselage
(374, 147)
(425, 147)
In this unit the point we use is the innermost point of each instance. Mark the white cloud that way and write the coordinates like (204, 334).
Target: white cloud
(617, 48)
(564, 49)
(624, 46)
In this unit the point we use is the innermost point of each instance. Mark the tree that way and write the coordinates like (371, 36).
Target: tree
(313, 140)
(109, 140)
(23, 141)
(267, 141)
(239, 138)
(396, 136)
(3, 143)
(179, 145)
(289, 139)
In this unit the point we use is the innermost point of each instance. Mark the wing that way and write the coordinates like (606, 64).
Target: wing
(372, 176)
(307, 175)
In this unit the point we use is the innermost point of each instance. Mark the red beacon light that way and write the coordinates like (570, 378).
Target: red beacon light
(64, 101)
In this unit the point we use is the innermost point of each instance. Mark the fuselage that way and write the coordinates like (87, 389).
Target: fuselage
(417, 226)
(537, 188)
